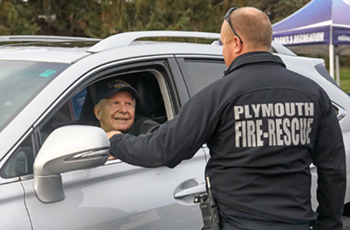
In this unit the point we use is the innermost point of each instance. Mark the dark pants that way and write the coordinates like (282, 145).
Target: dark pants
(245, 224)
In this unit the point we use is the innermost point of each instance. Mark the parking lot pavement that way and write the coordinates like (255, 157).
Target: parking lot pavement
(346, 223)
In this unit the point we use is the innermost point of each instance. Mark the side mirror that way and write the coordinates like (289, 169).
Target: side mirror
(68, 148)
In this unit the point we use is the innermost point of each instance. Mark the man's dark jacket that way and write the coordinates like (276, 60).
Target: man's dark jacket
(264, 126)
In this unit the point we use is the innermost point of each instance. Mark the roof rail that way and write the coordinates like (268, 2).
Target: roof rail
(125, 39)
(43, 38)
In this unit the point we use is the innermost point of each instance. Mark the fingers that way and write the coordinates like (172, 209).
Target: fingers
(112, 133)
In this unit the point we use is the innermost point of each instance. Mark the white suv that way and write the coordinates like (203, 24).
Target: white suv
(53, 169)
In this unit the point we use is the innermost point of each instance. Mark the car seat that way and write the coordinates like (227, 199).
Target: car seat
(148, 106)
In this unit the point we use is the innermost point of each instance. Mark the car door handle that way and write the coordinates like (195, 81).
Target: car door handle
(198, 189)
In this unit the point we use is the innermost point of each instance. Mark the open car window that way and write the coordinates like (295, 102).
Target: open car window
(80, 108)
(152, 109)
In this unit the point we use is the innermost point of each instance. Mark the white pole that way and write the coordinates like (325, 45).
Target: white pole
(331, 46)
(337, 69)
(331, 60)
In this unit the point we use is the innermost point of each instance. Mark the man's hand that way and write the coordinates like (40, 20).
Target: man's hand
(109, 135)
(112, 133)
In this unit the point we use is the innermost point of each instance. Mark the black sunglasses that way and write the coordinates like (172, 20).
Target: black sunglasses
(228, 19)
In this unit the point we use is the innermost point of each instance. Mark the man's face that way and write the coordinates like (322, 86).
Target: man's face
(116, 112)
(231, 46)
(226, 51)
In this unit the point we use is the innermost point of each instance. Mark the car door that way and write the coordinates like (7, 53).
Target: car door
(118, 195)
(14, 213)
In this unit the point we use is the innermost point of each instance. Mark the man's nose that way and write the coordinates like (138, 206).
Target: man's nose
(123, 108)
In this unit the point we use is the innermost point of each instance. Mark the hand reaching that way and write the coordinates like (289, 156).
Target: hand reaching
(112, 133)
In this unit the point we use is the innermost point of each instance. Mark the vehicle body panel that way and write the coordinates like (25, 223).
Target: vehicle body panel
(13, 209)
(120, 196)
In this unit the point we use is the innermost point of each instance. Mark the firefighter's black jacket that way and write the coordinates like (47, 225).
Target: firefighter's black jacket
(264, 126)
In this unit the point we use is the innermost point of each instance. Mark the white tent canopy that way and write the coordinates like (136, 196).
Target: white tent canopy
(320, 27)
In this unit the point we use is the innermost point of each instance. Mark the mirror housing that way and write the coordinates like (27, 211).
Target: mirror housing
(73, 147)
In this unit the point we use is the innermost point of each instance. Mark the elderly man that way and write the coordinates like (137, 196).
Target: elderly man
(115, 108)
(264, 126)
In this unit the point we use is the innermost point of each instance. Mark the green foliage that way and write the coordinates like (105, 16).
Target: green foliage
(16, 18)
(278, 10)
(345, 80)
(102, 18)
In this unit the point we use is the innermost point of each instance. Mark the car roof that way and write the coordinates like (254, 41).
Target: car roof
(71, 49)
(42, 54)
(44, 48)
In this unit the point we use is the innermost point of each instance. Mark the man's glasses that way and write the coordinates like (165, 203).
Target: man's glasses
(228, 19)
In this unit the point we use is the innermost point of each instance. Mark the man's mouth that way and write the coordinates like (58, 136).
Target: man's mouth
(120, 119)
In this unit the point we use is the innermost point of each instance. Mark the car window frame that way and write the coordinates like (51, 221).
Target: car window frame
(158, 64)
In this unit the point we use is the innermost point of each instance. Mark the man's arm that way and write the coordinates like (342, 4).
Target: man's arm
(329, 157)
(172, 142)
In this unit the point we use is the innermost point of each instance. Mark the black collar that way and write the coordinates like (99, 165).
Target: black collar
(252, 58)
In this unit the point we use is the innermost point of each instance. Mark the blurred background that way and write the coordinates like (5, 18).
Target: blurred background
(102, 18)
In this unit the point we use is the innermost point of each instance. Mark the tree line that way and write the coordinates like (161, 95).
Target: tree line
(102, 18)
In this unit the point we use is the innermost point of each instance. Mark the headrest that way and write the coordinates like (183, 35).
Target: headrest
(148, 101)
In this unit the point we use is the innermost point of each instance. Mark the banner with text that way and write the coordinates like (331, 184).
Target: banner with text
(341, 36)
(301, 37)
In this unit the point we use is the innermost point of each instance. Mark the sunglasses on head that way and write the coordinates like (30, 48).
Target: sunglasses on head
(228, 19)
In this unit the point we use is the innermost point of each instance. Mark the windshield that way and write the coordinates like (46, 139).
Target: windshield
(20, 82)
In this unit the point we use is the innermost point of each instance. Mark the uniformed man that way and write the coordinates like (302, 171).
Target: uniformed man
(264, 126)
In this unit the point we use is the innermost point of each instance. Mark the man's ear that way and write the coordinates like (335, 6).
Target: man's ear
(97, 111)
(238, 46)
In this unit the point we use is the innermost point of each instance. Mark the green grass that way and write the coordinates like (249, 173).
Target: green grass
(345, 80)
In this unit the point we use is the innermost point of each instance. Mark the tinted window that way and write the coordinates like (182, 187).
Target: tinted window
(199, 73)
